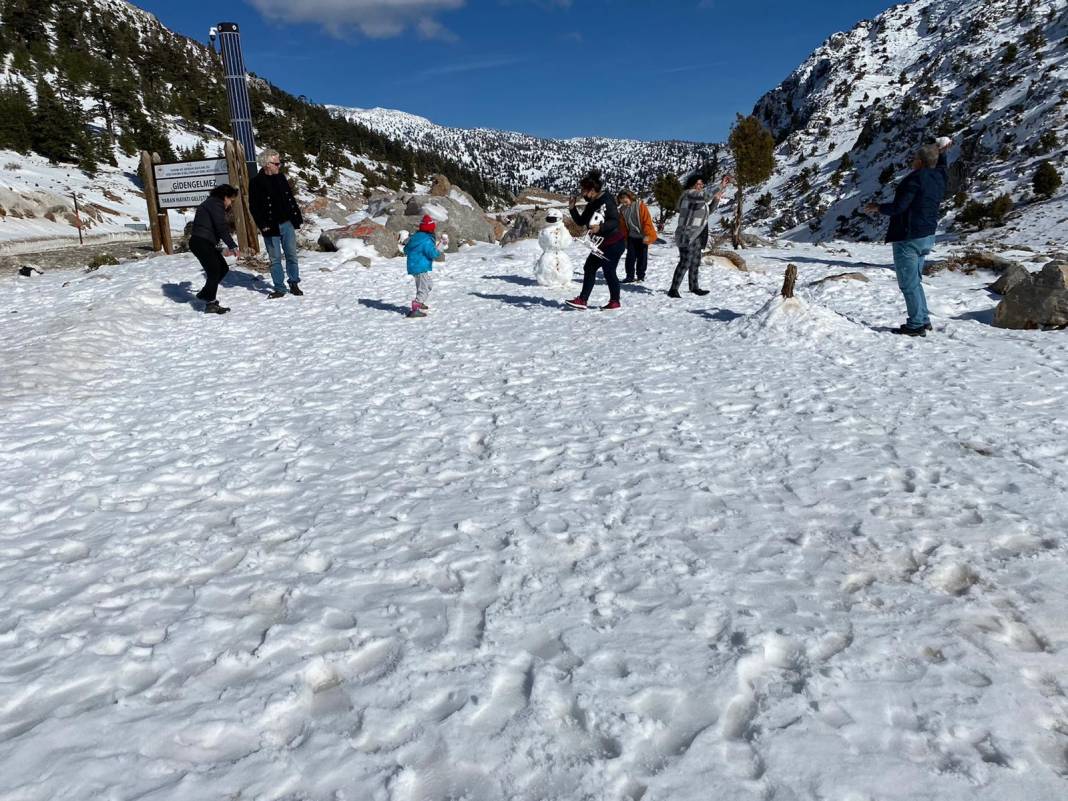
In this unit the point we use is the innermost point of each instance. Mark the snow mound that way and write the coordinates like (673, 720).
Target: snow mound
(797, 318)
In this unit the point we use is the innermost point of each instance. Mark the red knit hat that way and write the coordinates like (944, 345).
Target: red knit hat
(428, 225)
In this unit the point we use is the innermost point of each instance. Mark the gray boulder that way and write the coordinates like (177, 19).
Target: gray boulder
(528, 224)
(440, 186)
(463, 220)
(1041, 302)
(1014, 275)
(377, 236)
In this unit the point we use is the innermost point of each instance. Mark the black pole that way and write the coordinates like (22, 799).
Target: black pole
(237, 90)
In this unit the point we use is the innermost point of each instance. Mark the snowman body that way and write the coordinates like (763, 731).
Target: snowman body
(554, 268)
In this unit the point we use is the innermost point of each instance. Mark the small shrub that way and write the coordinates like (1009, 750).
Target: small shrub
(102, 260)
(1047, 180)
(12, 166)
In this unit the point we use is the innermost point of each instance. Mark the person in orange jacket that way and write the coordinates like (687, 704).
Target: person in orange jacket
(637, 224)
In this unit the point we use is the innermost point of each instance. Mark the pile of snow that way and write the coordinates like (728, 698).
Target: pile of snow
(796, 320)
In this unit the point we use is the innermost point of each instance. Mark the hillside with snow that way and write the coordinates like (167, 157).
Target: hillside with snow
(993, 74)
(518, 160)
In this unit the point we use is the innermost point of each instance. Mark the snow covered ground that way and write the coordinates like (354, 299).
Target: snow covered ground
(702, 549)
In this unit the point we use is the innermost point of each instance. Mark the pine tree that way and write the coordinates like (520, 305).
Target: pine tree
(753, 147)
(1047, 180)
(667, 190)
(981, 102)
(87, 161)
(58, 129)
(16, 119)
(999, 209)
(887, 175)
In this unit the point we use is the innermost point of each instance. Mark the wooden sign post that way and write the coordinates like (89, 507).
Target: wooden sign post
(247, 233)
(150, 199)
(186, 184)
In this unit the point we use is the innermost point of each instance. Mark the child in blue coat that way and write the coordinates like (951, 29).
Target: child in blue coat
(422, 251)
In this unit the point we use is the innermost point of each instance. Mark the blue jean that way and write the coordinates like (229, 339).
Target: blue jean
(275, 245)
(908, 264)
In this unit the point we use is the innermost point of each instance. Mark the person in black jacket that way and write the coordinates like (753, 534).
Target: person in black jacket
(209, 226)
(278, 217)
(914, 215)
(613, 241)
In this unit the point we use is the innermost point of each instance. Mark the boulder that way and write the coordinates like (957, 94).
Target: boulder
(457, 215)
(383, 240)
(1015, 275)
(440, 186)
(326, 208)
(528, 224)
(1037, 303)
(499, 229)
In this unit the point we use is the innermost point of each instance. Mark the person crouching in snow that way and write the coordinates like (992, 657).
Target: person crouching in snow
(422, 251)
(209, 226)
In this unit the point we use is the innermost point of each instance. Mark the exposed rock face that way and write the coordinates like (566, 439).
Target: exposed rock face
(377, 236)
(1041, 301)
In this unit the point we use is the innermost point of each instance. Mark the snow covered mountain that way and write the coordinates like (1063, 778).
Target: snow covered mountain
(516, 160)
(993, 74)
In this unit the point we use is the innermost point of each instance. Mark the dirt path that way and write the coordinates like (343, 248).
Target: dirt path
(76, 256)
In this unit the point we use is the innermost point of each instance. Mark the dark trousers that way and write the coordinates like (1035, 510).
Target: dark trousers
(637, 255)
(215, 267)
(612, 254)
(689, 263)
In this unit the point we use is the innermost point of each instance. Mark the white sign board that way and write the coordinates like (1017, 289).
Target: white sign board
(188, 183)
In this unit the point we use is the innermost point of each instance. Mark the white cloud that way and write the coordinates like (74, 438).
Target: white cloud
(378, 19)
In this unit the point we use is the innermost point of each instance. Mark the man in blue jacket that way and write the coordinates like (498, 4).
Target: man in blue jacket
(914, 214)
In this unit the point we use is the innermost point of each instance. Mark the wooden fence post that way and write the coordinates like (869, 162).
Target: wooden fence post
(789, 281)
(150, 200)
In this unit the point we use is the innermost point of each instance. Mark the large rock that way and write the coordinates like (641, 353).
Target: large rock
(440, 186)
(458, 215)
(1039, 302)
(1013, 276)
(528, 224)
(326, 208)
(383, 240)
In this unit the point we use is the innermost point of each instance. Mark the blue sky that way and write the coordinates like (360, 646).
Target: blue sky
(647, 70)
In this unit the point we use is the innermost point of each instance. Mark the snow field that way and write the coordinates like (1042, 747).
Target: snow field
(715, 547)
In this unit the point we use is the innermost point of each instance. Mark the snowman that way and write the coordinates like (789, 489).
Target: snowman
(554, 268)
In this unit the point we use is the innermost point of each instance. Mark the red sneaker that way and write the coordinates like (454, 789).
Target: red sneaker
(613, 305)
(576, 303)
